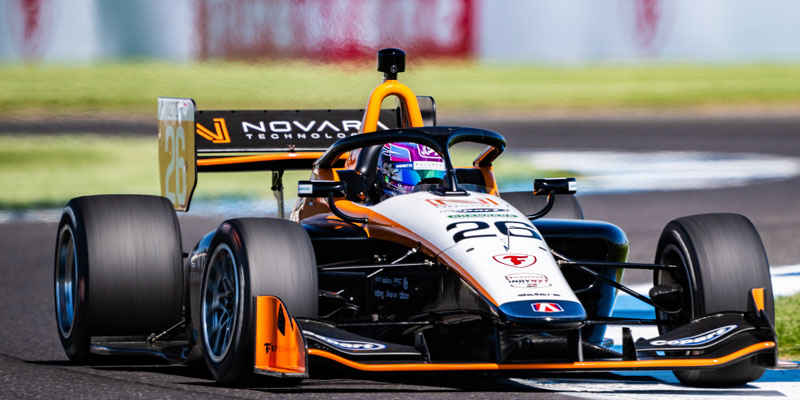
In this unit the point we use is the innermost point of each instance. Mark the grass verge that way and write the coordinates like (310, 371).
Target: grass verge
(44, 171)
(787, 325)
(133, 87)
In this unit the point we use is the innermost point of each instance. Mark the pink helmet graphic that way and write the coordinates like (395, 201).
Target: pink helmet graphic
(401, 166)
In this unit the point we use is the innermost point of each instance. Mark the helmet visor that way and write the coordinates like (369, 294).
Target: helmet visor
(413, 173)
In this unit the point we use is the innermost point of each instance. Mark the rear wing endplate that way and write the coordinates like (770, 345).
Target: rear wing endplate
(192, 141)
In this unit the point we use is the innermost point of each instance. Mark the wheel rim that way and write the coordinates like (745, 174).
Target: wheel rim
(66, 281)
(221, 302)
(672, 255)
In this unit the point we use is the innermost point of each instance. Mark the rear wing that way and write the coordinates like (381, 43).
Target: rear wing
(192, 141)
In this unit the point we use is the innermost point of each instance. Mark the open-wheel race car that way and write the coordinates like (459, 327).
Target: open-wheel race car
(394, 259)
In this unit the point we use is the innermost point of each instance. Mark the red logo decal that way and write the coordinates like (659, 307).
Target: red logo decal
(516, 260)
(547, 307)
(461, 202)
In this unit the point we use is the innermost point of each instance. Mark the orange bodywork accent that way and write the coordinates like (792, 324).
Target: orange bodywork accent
(758, 296)
(310, 155)
(585, 365)
(386, 89)
(488, 179)
(279, 346)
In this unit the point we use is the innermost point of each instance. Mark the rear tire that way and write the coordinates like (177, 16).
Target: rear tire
(117, 269)
(252, 257)
(720, 258)
(566, 206)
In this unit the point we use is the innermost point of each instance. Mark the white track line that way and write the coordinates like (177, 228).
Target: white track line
(660, 390)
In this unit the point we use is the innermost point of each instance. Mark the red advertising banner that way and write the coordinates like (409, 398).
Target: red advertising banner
(340, 29)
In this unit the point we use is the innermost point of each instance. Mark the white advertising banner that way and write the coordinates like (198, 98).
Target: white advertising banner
(586, 31)
(530, 31)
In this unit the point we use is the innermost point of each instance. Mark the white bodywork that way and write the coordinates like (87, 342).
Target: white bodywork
(490, 240)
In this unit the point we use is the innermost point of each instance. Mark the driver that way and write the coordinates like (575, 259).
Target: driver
(402, 166)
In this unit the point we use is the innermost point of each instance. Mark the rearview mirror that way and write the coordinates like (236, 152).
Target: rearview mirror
(321, 188)
(546, 186)
(329, 190)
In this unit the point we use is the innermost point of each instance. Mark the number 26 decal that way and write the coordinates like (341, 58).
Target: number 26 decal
(505, 228)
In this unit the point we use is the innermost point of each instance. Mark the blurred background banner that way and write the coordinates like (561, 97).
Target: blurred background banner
(88, 30)
(341, 28)
(571, 32)
(583, 31)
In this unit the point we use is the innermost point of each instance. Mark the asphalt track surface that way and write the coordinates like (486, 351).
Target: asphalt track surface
(32, 363)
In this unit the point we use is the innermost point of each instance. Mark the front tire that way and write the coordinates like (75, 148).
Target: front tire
(117, 269)
(252, 257)
(720, 257)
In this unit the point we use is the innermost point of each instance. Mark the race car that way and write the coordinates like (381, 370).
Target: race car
(394, 259)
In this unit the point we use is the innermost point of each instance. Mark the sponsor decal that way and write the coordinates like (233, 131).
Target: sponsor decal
(482, 216)
(538, 295)
(427, 152)
(479, 210)
(391, 288)
(220, 134)
(547, 307)
(293, 129)
(433, 165)
(274, 348)
(298, 136)
(702, 338)
(390, 295)
(283, 129)
(528, 280)
(459, 203)
(353, 345)
(397, 282)
(515, 260)
(304, 189)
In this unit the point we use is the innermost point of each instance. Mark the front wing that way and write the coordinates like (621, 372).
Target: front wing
(708, 342)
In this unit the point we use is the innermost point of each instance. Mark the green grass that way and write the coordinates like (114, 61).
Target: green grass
(45, 171)
(462, 86)
(787, 325)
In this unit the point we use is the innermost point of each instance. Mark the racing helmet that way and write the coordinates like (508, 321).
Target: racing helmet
(401, 166)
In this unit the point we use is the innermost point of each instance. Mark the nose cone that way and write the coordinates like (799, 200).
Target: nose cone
(555, 311)
(391, 61)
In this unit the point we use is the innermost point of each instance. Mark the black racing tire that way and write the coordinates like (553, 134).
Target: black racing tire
(566, 206)
(720, 257)
(117, 269)
(251, 257)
